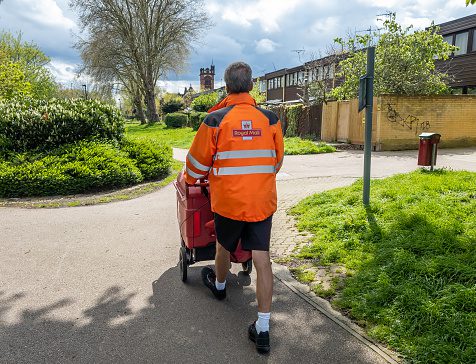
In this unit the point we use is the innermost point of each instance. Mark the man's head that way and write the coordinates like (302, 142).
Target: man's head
(238, 78)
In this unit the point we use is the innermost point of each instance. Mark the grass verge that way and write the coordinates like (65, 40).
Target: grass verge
(298, 146)
(175, 137)
(409, 260)
(94, 199)
(183, 137)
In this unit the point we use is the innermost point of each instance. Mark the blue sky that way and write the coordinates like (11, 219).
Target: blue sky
(263, 33)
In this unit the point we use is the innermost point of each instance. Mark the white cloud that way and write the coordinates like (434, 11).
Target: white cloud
(64, 73)
(179, 86)
(267, 13)
(327, 25)
(44, 12)
(265, 45)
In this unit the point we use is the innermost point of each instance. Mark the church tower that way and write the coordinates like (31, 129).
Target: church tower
(207, 78)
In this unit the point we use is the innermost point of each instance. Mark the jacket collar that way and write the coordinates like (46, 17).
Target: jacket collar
(234, 99)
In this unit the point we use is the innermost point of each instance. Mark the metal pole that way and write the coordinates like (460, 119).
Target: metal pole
(368, 123)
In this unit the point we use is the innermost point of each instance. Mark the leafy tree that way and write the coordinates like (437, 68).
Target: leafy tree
(404, 62)
(472, 2)
(136, 42)
(12, 81)
(171, 103)
(259, 96)
(32, 63)
(204, 102)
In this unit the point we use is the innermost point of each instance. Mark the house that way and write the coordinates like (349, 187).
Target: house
(288, 85)
(461, 67)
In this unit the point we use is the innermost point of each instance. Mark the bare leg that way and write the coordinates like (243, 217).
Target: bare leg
(222, 263)
(264, 282)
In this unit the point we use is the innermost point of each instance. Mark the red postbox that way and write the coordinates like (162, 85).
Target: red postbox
(428, 149)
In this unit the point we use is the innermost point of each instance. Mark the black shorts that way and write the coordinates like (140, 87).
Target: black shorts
(253, 235)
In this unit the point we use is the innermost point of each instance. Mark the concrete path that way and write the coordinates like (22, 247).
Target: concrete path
(100, 284)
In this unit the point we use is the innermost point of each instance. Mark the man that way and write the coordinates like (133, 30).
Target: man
(240, 147)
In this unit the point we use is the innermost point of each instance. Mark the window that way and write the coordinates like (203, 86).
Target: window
(320, 73)
(331, 71)
(474, 41)
(448, 39)
(471, 90)
(270, 84)
(461, 41)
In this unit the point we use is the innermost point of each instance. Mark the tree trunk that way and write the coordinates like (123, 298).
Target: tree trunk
(139, 109)
(150, 103)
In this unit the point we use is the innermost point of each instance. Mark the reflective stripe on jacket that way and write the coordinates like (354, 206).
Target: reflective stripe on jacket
(240, 148)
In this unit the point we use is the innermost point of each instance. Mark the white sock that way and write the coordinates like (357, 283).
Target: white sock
(263, 322)
(220, 286)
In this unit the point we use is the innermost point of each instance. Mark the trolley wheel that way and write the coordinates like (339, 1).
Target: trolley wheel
(183, 263)
(247, 267)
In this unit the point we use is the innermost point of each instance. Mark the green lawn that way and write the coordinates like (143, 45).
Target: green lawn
(410, 260)
(296, 145)
(177, 138)
(183, 137)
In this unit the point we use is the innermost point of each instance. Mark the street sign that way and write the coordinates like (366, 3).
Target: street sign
(362, 93)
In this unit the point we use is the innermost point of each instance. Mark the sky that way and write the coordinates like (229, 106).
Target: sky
(264, 33)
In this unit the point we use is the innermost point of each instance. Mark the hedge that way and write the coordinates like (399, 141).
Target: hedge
(176, 120)
(293, 113)
(196, 119)
(151, 157)
(27, 124)
(82, 167)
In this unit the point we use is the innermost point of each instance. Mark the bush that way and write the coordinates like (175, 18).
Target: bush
(76, 168)
(27, 124)
(196, 119)
(204, 102)
(151, 157)
(171, 104)
(176, 120)
(293, 113)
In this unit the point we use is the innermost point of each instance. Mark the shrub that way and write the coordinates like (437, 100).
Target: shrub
(176, 120)
(293, 113)
(76, 168)
(151, 157)
(27, 124)
(196, 119)
(171, 103)
(204, 102)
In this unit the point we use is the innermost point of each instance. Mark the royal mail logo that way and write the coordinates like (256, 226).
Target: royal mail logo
(246, 132)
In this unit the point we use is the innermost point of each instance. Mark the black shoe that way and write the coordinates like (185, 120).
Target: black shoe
(261, 340)
(208, 278)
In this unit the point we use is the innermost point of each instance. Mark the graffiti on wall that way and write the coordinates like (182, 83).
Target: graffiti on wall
(410, 122)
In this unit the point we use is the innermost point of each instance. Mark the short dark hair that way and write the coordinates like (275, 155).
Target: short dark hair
(238, 78)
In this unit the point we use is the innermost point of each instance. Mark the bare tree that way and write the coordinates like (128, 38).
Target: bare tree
(320, 76)
(136, 42)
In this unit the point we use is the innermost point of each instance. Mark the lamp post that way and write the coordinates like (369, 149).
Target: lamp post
(85, 92)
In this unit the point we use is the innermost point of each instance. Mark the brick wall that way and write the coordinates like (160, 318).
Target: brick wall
(398, 120)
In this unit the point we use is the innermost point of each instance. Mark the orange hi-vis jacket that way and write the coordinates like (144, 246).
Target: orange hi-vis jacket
(240, 147)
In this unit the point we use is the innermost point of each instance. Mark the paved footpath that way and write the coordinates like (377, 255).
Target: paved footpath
(100, 284)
